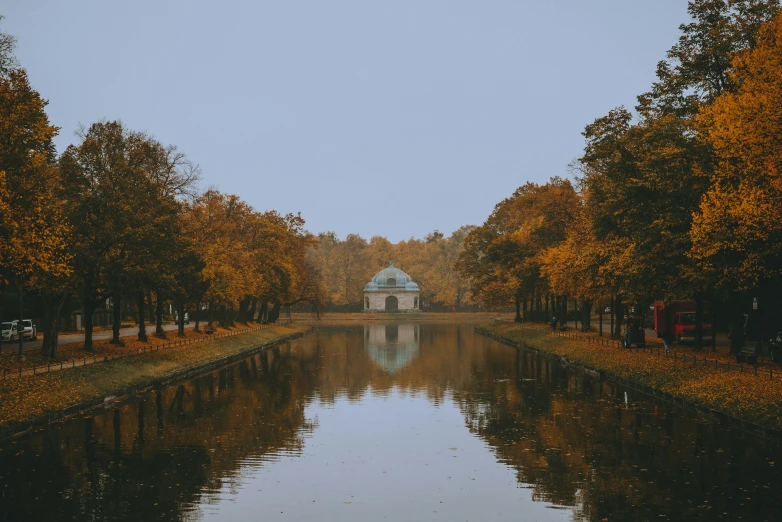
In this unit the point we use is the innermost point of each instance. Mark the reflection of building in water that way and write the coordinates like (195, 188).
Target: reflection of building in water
(391, 346)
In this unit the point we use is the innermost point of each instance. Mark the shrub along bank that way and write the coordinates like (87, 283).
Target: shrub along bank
(749, 397)
(24, 400)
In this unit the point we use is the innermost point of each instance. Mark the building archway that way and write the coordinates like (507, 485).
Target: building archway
(392, 303)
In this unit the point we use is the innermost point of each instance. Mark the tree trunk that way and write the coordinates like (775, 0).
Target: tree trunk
(180, 313)
(274, 313)
(117, 314)
(51, 325)
(263, 313)
(223, 316)
(159, 316)
(20, 325)
(517, 319)
(586, 315)
(698, 321)
(244, 304)
(251, 311)
(150, 309)
(197, 316)
(142, 327)
(538, 307)
(210, 315)
(89, 309)
(613, 313)
(600, 317)
(577, 315)
(619, 316)
(2, 300)
(713, 325)
(736, 324)
(563, 312)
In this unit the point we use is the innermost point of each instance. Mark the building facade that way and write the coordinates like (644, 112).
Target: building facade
(391, 290)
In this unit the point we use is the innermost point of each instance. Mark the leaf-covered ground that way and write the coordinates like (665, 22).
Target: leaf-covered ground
(10, 362)
(754, 398)
(23, 399)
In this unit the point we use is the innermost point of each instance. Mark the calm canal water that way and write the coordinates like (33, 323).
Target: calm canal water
(404, 422)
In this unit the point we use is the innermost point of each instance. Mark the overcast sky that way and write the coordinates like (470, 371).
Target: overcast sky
(389, 118)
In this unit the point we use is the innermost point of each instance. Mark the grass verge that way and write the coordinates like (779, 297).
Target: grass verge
(28, 398)
(66, 352)
(752, 398)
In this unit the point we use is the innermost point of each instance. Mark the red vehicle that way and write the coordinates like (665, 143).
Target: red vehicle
(681, 315)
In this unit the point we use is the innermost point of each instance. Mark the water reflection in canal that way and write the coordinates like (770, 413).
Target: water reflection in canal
(396, 422)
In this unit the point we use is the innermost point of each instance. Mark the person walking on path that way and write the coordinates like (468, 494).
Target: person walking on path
(667, 340)
(553, 323)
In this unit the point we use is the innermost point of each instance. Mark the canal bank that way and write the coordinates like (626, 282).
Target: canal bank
(30, 402)
(747, 400)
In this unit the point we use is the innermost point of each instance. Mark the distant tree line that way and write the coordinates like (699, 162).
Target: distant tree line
(681, 198)
(347, 265)
(119, 215)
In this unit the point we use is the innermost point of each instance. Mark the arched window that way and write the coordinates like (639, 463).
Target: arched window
(392, 281)
(415, 303)
(367, 304)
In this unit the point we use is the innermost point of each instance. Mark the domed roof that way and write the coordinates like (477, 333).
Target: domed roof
(391, 277)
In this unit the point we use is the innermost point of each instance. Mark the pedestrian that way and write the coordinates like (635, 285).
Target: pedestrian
(553, 323)
(667, 340)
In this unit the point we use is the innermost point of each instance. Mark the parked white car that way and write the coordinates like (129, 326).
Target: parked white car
(5, 333)
(9, 331)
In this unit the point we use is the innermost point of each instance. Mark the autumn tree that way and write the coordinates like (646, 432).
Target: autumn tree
(214, 222)
(111, 195)
(503, 257)
(737, 229)
(350, 269)
(33, 227)
(8, 61)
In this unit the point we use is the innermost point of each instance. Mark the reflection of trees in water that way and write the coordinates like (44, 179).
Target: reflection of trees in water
(149, 459)
(573, 439)
(566, 434)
